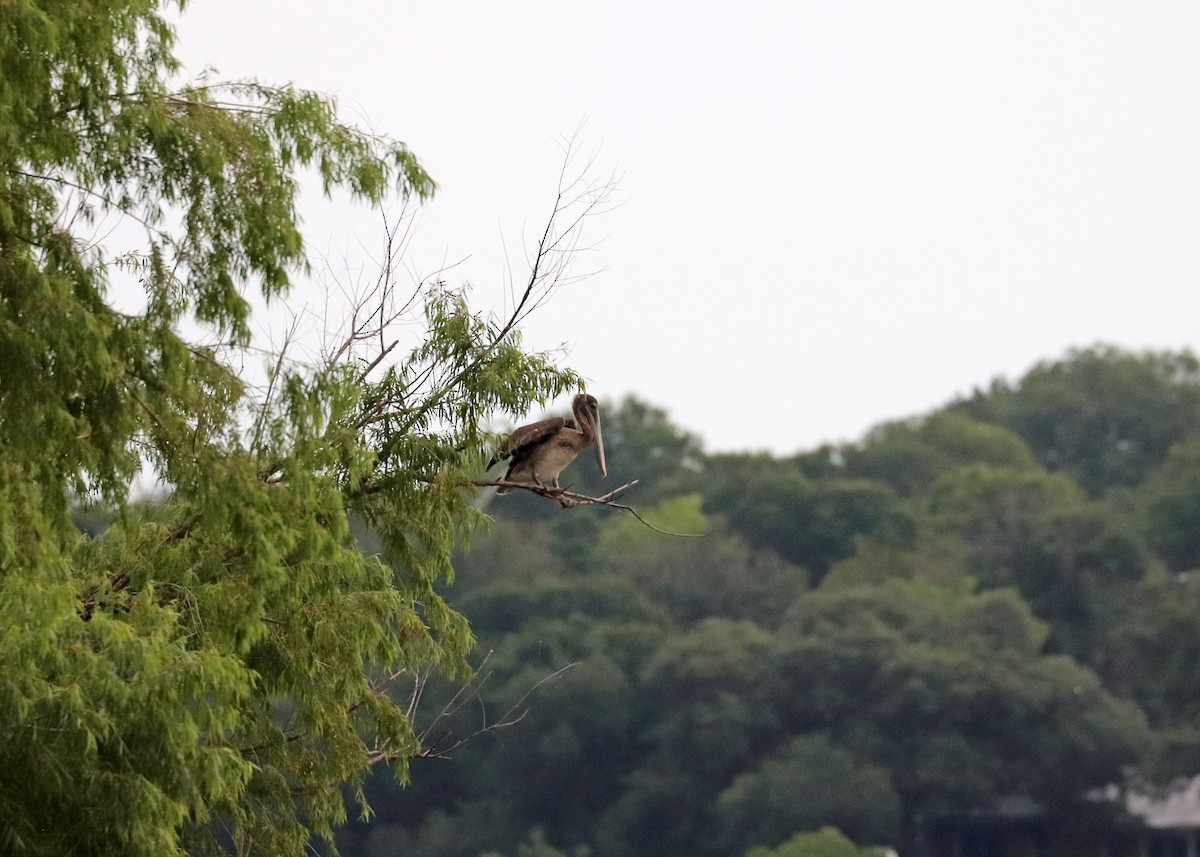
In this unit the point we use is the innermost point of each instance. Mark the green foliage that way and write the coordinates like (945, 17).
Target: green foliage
(932, 560)
(717, 687)
(217, 671)
(698, 578)
(983, 627)
(808, 783)
(537, 846)
(942, 689)
(1103, 416)
(910, 457)
(810, 522)
(679, 514)
(826, 842)
(1170, 499)
(1070, 558)
(1154, 655)
(208, 674)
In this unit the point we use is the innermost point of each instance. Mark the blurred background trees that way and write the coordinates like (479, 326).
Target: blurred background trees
(994, 600)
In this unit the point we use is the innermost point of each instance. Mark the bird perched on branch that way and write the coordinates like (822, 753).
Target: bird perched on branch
(540, 451)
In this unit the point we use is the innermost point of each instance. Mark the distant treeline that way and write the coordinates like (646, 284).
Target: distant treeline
(991, 600)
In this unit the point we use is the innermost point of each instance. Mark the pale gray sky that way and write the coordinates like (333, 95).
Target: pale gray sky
(834, 213)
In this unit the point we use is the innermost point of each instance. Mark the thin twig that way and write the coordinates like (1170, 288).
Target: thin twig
(108, 202)
(548, 267)
(507, 719)
(266, 405)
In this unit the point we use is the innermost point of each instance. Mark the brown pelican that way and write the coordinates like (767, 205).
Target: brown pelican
(540, 451)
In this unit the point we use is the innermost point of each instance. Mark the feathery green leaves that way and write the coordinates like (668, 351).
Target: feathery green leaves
(214, 670)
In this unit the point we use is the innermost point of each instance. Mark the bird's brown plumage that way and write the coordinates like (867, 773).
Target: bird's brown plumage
(540, 451)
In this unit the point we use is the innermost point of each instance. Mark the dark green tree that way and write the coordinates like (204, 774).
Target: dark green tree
(718, 685)
(1170, 503)
(951, 694)
(1154, 656)
(565, 648)
(1104, 416)
(719, 702)
(826, 842)
(537, 846)
(1070, 558)
(810, 522)
(910, 456)
(806, 784)
(712, 574)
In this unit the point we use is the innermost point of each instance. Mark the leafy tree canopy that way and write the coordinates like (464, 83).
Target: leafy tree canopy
(1071, 558)
(943, 688)
(206, 675)
(810, 522)
(1104, 416)
(910, 456)
(826, 842)
(1170, 503)
(808, 783)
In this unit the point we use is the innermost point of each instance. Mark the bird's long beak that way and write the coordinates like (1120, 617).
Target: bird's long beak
(600, 448)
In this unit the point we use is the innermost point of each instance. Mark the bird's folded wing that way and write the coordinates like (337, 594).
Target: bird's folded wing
(526, 437)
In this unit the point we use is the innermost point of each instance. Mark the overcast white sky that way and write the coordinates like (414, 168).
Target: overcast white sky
(835, 213)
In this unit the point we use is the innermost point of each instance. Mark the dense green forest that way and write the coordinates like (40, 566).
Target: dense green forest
(992, 599)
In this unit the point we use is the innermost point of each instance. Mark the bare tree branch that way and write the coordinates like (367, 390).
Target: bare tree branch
(439, 729)
(577, 199)
(568, 499)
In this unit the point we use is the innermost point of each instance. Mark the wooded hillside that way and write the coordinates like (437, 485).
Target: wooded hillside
(989, 600)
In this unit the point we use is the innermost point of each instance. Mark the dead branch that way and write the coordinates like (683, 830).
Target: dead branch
(376, 308)
(566, 498)
(378, 305)
(578, 199)
(437, 739)
(569, 499)
(439, 729)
